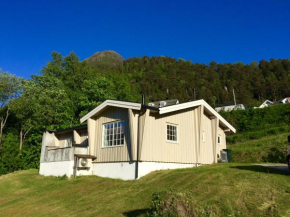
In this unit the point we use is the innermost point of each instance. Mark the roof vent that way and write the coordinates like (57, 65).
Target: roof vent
(164, 103)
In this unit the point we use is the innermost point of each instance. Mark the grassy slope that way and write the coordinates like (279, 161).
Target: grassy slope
(223, 189)
(266, 149)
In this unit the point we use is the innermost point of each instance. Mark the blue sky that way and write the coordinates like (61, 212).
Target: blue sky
(200, 31)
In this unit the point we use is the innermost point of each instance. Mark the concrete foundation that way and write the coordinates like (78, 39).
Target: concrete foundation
(62, 168)
(127, 170)
(116, 170)
(148, 167)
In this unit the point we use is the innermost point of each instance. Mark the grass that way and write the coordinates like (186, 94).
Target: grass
(266, 149)
(215, 190)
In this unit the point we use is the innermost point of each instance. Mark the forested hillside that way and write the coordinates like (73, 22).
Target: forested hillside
(68, 88)
(165, 77)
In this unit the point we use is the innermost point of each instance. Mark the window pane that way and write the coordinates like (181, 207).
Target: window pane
(105, 143)
(113, 134)
(171, 132)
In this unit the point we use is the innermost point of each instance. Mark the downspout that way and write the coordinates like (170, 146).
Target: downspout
(143, 111)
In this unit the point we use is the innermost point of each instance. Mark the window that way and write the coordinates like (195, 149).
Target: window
(203, 137)
(219, 139)
(113, 134)
(171, 133)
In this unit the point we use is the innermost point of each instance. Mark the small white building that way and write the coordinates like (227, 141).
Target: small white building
(284, 100)
(266, 104)
(230, 107)
(128, 140)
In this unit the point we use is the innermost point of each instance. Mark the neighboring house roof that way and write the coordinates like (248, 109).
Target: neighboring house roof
(284, 100)
(162, 110)
(266, 103)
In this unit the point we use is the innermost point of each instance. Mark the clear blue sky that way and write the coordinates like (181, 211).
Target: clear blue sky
(200, 31)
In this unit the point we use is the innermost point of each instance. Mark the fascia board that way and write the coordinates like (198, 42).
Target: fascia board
(214, 112)
(120, 104)
(180, 106)
(173, 108)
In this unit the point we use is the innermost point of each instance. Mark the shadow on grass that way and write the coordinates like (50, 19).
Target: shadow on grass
(136, 212)
(262, 169)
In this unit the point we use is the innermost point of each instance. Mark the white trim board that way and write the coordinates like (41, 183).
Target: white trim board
(114, 103)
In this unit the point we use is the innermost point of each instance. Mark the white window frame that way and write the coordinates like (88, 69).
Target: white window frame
(103, 134)
(177, 133)
(219, 139)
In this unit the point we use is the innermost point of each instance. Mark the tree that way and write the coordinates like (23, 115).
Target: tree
(10, 88)
(24, 110)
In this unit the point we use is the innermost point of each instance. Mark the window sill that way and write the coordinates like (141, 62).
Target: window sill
(172, 142)
(116, 146)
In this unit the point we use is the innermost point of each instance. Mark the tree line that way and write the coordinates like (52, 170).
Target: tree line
(67, 88)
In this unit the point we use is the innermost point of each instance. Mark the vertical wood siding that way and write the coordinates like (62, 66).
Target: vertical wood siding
(153, 133)
(223, 140)
(115, 153)
(156, 148)
(206, 149)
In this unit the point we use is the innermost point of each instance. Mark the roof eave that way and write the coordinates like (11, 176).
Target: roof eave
(173, 108)
(114, 103)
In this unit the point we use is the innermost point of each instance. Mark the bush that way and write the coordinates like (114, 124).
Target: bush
(11, 159)
(170, 204)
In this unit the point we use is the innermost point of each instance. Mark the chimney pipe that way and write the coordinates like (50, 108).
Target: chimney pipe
(143, 99)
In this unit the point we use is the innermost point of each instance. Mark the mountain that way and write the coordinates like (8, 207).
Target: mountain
(105, 59)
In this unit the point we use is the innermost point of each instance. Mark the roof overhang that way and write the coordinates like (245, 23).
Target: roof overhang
(162, 110)
(114, 103)
(197, 103)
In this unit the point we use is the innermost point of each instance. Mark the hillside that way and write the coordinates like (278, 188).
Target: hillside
(105, 59)
(266, 149)
(216, 190)
(261, 134)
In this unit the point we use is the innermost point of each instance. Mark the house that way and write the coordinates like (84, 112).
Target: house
(284, 100)
(229, 107)
(128, 140)
(266, 104)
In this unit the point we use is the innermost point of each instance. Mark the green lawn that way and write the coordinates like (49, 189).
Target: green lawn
(266, 149)
(215, 190)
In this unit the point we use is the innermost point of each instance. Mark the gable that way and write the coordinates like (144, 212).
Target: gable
(112, 103)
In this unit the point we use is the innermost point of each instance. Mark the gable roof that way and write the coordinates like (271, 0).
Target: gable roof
(195, 104)
(267, 102)
(115, 103)
(162, 110)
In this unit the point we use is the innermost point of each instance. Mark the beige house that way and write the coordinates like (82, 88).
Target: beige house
(129, 140)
